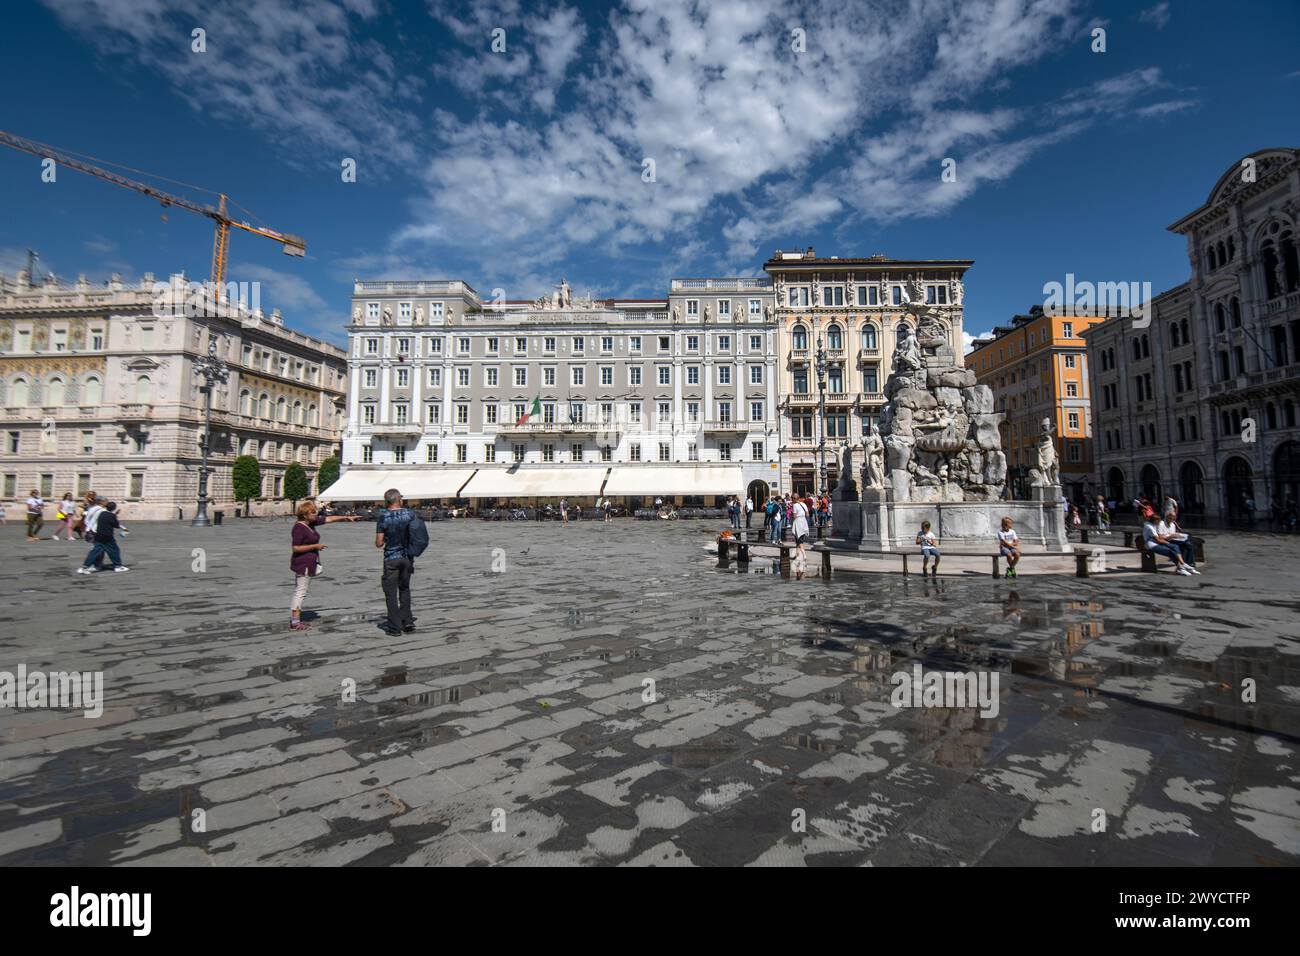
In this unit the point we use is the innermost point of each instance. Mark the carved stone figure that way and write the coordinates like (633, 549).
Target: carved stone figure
(873, 468)
(387, 317)
(958, 292)
(419, 315)
(356, 314)
(846, 489)
(1047, 474)
(677, 314)
(907, 354)
(707, 312)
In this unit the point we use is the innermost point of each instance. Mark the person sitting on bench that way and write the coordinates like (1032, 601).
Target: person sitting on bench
(1157, 543)
(1168, 530)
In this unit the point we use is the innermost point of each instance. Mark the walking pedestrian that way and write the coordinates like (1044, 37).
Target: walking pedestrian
(106, 522)
(67, 514)
(564, 510)
(1103, 515)
(749, 510)
(393, 533)
(35, 515)
(305, 559)
(609, 511)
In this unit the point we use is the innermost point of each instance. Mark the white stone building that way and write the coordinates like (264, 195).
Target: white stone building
(453, 396)
(98, 392)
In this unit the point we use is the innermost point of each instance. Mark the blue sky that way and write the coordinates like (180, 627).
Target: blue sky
(511, 169)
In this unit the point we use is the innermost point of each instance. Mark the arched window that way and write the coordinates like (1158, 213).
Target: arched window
(1137, 349)
(264, 405)
(1289, 413)
(281, 409)
(870, 340)
(1146, 347)
(1191, 483)
(1173, 336)
(1195, 430)
(311, 415)
(800, 337)
(93, 392)
(1214, 262)
(834, 337)
(1236, 313)
(1150, 481)
(1115, 484)
(143, 390)
(1186, 337)
(245, 402)
(1220, 322)
(1232, 249)
(297, 413)
(20, 394)
(1223, 253)
(54, 393)
(1238, 486)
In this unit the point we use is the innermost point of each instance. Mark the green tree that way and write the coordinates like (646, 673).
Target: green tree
(327, 474)
(295, 483)
(246, 479)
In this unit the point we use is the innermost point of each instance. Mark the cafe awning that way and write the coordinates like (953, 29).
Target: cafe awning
(535, 482)
(675, 480)
(413, 483)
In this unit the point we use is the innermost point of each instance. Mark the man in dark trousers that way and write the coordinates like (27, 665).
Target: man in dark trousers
(390, 534)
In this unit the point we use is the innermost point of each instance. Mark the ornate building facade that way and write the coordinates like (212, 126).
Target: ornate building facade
(1037, 368)
(98, 391)
(1203, 403)
(454, 396)
(849, 311)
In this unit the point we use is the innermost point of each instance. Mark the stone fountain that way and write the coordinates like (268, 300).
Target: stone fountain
(937, 456)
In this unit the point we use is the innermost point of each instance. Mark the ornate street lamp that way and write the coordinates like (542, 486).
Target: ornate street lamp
(213, 371)
(821, 414)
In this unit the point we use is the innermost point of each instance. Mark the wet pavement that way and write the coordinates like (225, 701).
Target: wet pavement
(516, 725)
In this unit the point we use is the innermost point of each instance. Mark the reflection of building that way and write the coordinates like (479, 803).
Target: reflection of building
(1037, 368)
(511, 400)
(1202, 404)
(98, 391)
(852, 307)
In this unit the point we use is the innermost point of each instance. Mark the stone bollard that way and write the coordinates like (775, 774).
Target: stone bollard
(724, 546)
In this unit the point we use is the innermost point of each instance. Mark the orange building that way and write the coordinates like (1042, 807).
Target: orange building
(1037, 368)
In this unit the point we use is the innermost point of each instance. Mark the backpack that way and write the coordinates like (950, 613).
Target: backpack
(417, 537)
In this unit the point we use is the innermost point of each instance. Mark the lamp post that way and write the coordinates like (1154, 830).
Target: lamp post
(821, 415)
(212, 370)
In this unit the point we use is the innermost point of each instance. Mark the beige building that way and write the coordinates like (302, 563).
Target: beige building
(98, 390)
(850, 309)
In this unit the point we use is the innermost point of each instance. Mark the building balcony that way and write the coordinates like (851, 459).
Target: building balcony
(134, 412)
(839, 398)
(798, 356)
(558, 428)
(868, 356)
(395, 428)
(725, 427)
(871, 398)
(801, 399)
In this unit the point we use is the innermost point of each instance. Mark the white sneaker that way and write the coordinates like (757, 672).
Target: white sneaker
(121, 567)
(1184, 572)
(85, 570)
(54, 538)
(1192, 569)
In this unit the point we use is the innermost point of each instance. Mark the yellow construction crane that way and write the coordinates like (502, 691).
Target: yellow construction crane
(291, 245)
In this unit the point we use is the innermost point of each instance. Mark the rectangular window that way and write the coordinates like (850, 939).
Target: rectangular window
(692, 452)
(1073, 421)
(548, 413)
(399, 454)
(403, 346)
(372, 310)
(724, 374)
(665, 451)
(11, 485)
(693, 412)
(83, 483)
(431, 454)
(665, 375)
(607, 343)
(607, 375)
(462, 377)
(521, 375)
(434, 346)
(97, 339)
(489, 413)
(435, 310)
(833, 295)
(1067, 330)
(634, 452)
(548, 452)
(756, 451)
(493, 345)
(724, 343)
(462, 345)
(548, 344)
(692, 343)
(548, 376)
(606, 453)
(433, 413)
(665, 412)
(399, 414)
(692, 375)
(634, 343)
(136, 487)
(372, 346)
(462, 452)
(517, 452)
(579, 344)
(634, 375)
(491, 377)
(490, 453)
(1072, 390)
(367, 414)
(403, 377)
(756, 375)
(755, 411)
(13, 442)
(756, 343)
(692, 306)
(579, 374)
(755, 308)
(1070, 361)
(371, 378)
(665, 343)
(575, 451)
(367, 455)
(724, 451)
(521, 345)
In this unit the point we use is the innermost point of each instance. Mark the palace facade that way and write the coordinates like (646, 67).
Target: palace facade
(1202, 403)
(98, 391)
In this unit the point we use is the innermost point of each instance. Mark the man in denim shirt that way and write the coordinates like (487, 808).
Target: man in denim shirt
(390, 534)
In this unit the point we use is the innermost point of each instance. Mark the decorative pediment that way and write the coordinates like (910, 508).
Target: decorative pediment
(142, 363)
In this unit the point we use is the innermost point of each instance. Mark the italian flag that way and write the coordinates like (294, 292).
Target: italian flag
(536, 409)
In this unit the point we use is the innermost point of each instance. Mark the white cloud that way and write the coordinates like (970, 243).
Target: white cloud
(1158, 16)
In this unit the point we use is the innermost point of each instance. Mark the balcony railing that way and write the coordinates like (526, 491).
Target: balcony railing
(727, 425)
(871, 398)
(396, 428)
(866, 355)
(135, 412)
(558, 428)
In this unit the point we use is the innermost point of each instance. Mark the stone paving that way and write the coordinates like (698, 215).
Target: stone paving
(515, 727)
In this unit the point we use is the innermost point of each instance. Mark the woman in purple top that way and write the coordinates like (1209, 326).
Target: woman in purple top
(306, 546)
